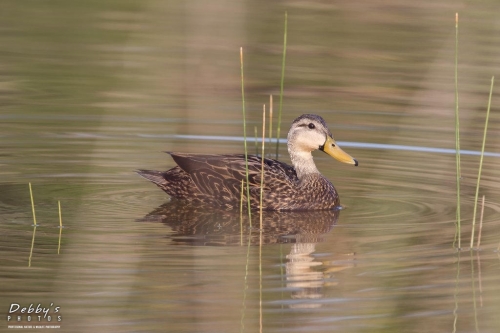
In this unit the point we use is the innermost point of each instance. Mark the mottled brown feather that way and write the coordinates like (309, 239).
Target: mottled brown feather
(216, 180)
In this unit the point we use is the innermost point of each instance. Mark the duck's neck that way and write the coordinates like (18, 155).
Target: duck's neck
(302, 162)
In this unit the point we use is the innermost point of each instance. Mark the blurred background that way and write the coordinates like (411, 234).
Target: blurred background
(91, 90)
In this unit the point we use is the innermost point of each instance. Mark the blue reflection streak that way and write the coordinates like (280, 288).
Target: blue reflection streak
(363, 145)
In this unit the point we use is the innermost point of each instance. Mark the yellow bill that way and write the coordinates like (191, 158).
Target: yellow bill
(331, 148)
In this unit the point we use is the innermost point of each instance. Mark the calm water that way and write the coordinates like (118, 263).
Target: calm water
(90, 93)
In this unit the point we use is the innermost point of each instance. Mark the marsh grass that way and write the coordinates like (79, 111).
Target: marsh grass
(480, 224)
(32, 205)
(34, 225)
(256, 142)
(473, 287)
(261, 226)
(262, 161)
(481, 163)
(457, 154)
(457, 138)
(32, 245)
(478, 259)
(458, 178)
(60, 227)
(278, 130)
(270, 117)
(241, 212)
(455, 294)
(260, 282)
(245, 136)
(245, 284)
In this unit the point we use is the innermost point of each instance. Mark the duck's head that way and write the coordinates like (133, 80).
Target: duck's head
(310, 132)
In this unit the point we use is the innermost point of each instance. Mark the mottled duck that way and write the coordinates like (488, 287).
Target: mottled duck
(216, 179)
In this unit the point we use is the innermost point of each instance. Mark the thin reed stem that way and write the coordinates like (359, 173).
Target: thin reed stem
(60, 215)
(245, 285)
(278, 131)
(473, 284)
(245, 136)
(60, 227)
(479, 276)
(260, 282)
(241, 213)
(261, 226)
(262, 161)
(32, 205)
(270, 117)
(481, 163)
(455, 295)
(32, 246)
(457, 136)
(480, 224)
(255, 141)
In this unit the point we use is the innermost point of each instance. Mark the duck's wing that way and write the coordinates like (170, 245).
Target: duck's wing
(220, 176)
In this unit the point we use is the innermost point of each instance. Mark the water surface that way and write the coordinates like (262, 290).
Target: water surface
(90, 93)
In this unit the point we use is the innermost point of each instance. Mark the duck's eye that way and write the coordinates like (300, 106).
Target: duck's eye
(311, 126)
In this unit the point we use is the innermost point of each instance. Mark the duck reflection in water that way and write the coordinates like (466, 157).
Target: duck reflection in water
(199, 225)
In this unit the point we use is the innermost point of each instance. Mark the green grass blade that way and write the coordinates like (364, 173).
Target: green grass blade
(256, 143)
(457, 136)
(241, 213)
(278, 130)
(481, 163)
(60, 227)
(262, 162)
(32, 205)
(245, 135)
(270, 117)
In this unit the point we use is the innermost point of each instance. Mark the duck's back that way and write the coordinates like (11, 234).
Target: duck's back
(217, 180)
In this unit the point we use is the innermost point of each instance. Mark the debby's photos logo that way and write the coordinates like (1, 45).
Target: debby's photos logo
(34, 313)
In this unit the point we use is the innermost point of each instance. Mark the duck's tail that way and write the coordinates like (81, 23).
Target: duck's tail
(154, 176)
(174, 182)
